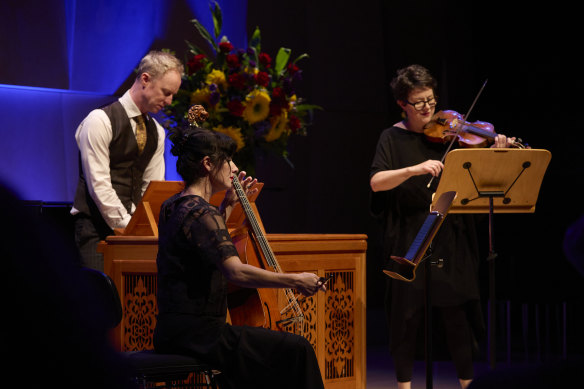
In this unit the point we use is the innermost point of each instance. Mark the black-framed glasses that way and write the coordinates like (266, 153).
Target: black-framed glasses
(419, 105)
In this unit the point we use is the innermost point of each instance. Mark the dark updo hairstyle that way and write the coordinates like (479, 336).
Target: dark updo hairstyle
(193, 143)
(410, 78)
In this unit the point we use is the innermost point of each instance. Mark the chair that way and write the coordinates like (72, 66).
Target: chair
(148, 367)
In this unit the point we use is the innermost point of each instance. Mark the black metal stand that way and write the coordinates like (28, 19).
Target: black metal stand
(420, 251)
(492, 306)
(492, 296)
(428, 324)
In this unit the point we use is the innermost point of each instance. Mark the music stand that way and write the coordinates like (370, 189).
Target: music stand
(417, 251)
(417, 254)
(493, 181)
(144, 221)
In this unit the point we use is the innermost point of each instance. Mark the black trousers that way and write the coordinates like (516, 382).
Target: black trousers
(458, 338)
(88, 233)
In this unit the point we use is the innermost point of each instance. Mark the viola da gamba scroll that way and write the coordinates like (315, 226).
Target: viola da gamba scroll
(260, 307)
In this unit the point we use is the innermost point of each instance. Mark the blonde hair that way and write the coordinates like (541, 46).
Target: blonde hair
(157, 63)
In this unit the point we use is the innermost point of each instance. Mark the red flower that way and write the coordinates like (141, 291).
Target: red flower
(265, 60)
(236, 80)
(225, 47)
(275, 108)
(278, 101)
(294, 123)
(278, 93)
(262, 78)
(235, 107)
(292, 68)
(232, 60)
(196, 63)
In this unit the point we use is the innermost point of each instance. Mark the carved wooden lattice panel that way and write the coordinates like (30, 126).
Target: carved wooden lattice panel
(308, 306)
(339, 324)
(306, 327)
(140, 311)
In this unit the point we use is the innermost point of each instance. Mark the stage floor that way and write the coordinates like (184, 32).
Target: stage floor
(381, 375)
(557, 374)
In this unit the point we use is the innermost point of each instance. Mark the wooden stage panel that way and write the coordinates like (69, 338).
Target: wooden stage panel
(334, 320)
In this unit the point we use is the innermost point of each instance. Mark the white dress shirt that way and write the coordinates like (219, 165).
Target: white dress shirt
(94, 136)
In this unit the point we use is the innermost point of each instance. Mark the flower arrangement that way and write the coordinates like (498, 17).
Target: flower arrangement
(248, 94)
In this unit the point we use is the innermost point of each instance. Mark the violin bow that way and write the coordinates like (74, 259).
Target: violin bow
(475, 100)
(458, 131)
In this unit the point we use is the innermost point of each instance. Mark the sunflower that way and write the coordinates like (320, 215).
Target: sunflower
(257, 106)
(200, 96)
(234, 133)
(216, 77)
(278, 127)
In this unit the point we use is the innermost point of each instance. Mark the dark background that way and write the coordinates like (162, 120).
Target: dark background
(532, 92)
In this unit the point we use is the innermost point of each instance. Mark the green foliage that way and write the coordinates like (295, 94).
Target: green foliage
(249, 95)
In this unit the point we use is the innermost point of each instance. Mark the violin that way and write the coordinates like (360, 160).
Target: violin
(259, 307)
(447, 126)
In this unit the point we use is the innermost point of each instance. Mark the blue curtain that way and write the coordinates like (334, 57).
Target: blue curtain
(62, 58)
(38, 149)
(107, 39)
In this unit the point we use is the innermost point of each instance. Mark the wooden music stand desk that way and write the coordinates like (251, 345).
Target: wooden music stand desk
(510, 177)
(144, 221)
(493, 181)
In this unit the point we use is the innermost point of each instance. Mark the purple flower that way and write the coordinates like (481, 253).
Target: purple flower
(214, 98)
(297, 76)
(262, 128)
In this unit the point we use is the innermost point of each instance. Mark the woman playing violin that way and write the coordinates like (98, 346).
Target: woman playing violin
(404, 162)
(196, 258)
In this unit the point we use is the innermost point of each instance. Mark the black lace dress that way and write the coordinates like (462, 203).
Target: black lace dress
(192, 306)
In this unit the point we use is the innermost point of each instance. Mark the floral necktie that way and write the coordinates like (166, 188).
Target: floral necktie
(140, 132)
